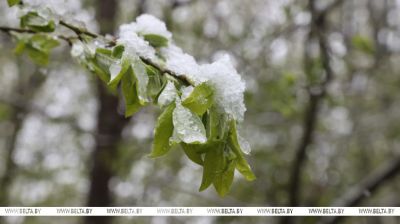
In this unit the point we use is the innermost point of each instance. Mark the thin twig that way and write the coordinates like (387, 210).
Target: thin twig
(79, 32)
(316, 95)
(18, 30)
(8, 30)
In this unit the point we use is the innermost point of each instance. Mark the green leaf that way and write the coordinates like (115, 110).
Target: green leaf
(200, 99)
(37, 23)
(104, 51)
(156, 40)
(94, 67)
(217, 125)
(156, 82)
(13, 2)
(162, 133)
(142, 80)
(117, 70)
(192, 153)
(43, 42)
(101, 64)
(104, 58)
(129, 92)
(223, 181)
(213, 164)
(118, 51)
(188, 125)
(168, 94)
(242, 166)
(37, 56)
(37, 47)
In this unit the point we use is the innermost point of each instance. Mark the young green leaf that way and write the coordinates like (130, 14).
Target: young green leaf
(37, 56)
(168, 94)
(117, 70)
(192, 154)
(13, 2)
(188, 125)
(104, 59)
(93, 66)
(214, 163)
(118, 51)
(132, 104)
(142, 80)
(37, 23)
(37, 46)
(104, 51)
(216, 125)
(43, 42)
(156, 40)
(242, 166)
(223, 181)
(200, 99)
(156, 82)
(162, 133)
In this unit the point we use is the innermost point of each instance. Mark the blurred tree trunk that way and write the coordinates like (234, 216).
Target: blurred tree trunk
(110, 125)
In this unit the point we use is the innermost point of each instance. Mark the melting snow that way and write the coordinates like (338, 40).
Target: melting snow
(188, 125)
(168, 94)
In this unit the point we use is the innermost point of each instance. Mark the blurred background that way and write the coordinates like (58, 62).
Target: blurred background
(323, 111)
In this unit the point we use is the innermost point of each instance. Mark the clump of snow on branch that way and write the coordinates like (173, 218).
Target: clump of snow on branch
(134, 45)
(148, 24)
(70, 11)
(228, 85)
(182, 64)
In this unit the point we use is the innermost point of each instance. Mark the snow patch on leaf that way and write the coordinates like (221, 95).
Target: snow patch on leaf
(188, 125)
(168, 94)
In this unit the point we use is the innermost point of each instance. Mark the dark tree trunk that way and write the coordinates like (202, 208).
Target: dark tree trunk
(110, 125)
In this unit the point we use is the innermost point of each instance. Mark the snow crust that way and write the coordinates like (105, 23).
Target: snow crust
(134, 45)
(228, 85)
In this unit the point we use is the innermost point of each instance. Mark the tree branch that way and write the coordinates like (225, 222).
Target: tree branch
(316, 95)
(79, 32)
(369, 185)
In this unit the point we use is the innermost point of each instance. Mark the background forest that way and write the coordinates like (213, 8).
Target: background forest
(322, 117)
